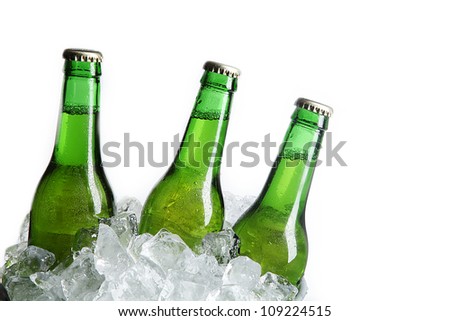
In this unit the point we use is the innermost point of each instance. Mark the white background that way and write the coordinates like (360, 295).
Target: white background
(378, 228)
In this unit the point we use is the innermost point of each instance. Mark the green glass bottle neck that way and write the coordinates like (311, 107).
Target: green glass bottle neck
(290, 179)
(77, 141)
(204, 139)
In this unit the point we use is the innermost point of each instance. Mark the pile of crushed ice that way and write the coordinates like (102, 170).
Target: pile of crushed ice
(113, 262)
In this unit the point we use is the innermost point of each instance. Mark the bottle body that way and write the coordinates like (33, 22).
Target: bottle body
(73, 193)
(182, 204)
(67, 199)
(272, 231)
(188, 200)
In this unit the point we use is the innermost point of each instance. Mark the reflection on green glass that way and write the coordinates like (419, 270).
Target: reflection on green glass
(188, 200)
(73, 192)
(272, 231)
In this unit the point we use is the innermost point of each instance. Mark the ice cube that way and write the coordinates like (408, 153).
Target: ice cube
(125, 226)
(274, 287)
(135, 245)
(130, 205)
(231, 292)
(50, 283)
(242, 271)
(167, 250)
(143, 281)
(235, 206)
(200, 277)
(24, 228)
(302, 290)
(12, 253)
(85, 237)
(81, 281)
(184, 286)
(205, 264)
(36, 259)
(104, 293)
(11, 258)
(31, 260)
(111, 258)
(23, 289)
(223, 245)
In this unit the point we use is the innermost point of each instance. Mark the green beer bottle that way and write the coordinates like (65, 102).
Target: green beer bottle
(272, 231)
(188, 200)
(73, 192)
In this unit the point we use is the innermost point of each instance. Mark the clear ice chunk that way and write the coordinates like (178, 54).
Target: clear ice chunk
(143, 281)
(130, 205)
(273, 287)
(35, 259)
(50, 283)
(231, 292)
(167, 250)
(105, 292)
(85, 237)
(12, 253)
(125, 226)
(111, 258)
(302, 290)
(205, 265)
(23, 289)
(81, 281)
(31, 260)
(235, 206)
(207, 268)
(135, 246)
(184, 286)
(24, 228)
(242, 271)
(223, 245)
(21, 262)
